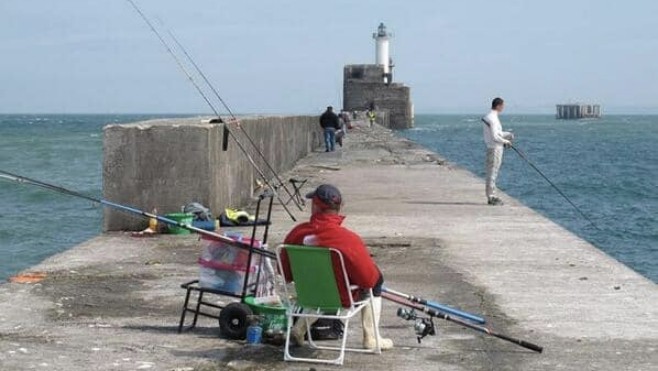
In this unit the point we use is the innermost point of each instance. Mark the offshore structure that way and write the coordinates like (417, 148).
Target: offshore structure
(577, 111)
(371, 87)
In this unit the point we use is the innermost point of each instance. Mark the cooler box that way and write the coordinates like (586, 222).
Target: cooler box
(224, 267)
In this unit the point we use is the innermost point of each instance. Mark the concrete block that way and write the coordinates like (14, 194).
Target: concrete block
(166, 164)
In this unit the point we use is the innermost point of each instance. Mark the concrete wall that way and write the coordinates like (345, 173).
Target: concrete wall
(364, 73)
(363, 86)
(166, 164)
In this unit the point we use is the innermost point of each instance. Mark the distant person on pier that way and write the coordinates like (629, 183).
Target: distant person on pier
(329, 123)
(347, 120)
(371, 116)
(496, 140)
(340, 133)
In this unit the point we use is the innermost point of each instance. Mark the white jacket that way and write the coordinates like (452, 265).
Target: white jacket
(494, 136)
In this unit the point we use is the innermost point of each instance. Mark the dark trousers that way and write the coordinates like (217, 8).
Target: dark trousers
(377, 290)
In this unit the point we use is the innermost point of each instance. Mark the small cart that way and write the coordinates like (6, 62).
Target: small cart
(234, 317)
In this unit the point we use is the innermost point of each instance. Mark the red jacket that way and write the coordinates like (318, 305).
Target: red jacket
(325, 230)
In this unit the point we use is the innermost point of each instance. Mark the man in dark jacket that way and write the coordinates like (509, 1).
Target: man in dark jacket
(329, 123)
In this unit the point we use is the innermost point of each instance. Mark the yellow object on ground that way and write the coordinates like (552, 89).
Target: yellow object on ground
(238, 216)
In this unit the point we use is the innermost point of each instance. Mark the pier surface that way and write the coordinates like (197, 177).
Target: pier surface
(114, 302)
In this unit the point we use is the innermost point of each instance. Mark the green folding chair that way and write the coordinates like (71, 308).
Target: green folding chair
(318, 296)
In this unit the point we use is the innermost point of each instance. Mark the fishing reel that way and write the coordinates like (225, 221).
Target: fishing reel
(423, 326)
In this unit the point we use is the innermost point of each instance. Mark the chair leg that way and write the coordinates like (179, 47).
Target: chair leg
(336, 361)
(342, 349)
(343, 345)
(310, 336)
(286, 350)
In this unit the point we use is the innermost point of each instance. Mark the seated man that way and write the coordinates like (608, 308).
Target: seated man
(325, 230)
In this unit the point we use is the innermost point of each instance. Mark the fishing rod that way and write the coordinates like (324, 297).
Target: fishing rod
(438, 314)
(212, 107)
(265, 253)
(525, 158)
(29, 181)
(437, 306)
(230, 112)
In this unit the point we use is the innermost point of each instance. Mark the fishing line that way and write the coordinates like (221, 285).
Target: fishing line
(228, 109)
(525, 158)
(173, 55)
(29, 181)
(198, 88)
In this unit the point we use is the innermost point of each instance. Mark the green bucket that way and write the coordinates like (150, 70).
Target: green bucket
(274, 317)
(185, 218)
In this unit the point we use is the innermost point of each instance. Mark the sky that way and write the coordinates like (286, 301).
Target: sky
(287, 56)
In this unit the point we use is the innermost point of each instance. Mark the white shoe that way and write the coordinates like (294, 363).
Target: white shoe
(369, 334)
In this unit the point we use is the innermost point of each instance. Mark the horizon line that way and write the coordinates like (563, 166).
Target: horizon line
(446, 112)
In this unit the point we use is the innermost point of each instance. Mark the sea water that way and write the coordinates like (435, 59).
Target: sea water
(607, 167)
(65, 150)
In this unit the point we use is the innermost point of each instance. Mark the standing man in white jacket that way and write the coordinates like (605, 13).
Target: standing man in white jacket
(496, 140)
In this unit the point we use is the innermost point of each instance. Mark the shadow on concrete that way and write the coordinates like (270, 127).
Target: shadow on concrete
(445, 203)
(199, 331)
(261, 357)
(213, 354)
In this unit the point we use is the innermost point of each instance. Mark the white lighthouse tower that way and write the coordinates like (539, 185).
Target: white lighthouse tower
(382, 52)
(370, 86)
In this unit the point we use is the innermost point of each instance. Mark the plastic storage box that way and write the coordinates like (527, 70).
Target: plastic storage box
(224, 267)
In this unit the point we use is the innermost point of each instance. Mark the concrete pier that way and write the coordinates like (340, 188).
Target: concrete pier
(113, 303)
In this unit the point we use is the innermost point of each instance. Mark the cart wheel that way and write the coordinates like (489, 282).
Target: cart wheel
(233, 321)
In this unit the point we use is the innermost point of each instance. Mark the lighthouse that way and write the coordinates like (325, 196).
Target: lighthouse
(382, 51)
(370, 87)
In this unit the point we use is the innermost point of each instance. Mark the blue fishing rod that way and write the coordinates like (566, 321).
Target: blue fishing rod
(129, 209)
(437, 306)
(425, 326)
